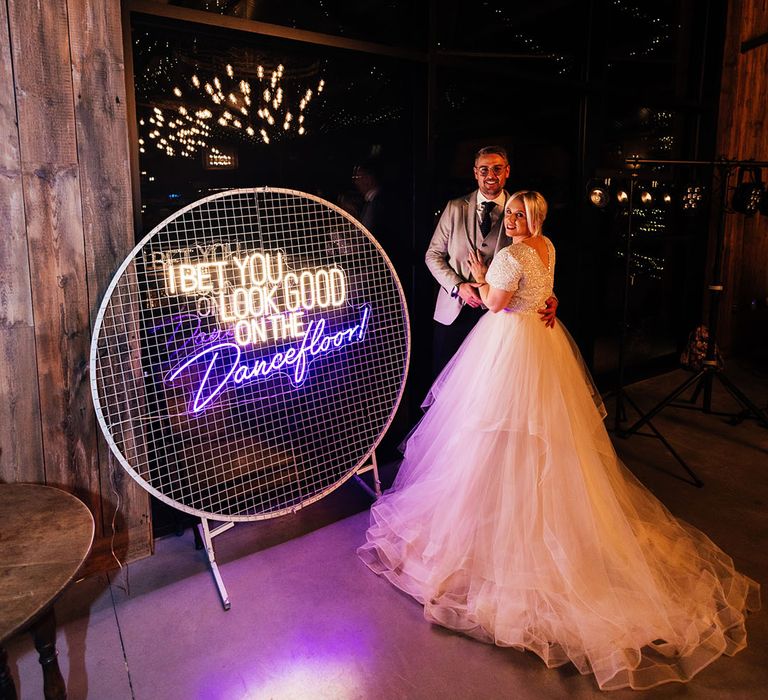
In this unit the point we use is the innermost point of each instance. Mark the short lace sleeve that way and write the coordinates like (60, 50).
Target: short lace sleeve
(505, 272)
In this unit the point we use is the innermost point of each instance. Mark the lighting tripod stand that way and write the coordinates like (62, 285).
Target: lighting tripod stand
(703, 380)
(620, 393)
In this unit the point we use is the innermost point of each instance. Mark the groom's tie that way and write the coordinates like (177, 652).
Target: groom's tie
(485, 219)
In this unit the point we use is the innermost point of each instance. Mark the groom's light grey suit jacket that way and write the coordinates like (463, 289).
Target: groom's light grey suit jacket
(447, 257)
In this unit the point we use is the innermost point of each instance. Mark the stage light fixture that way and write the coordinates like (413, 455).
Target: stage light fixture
(664, 194)
(693, 196)
(599, 193)
(748, 194)
(762, 207)
(646, 196)
(622, 197)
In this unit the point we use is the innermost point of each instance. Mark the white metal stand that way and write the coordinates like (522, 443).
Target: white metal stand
(372, 466)
(207, 535)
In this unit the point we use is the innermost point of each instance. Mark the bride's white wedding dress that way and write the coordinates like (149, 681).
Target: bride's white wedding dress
(513, 521)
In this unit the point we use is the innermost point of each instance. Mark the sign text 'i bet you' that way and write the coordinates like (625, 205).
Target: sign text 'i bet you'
(258, 302)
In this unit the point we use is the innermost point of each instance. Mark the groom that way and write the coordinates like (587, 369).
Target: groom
(473, 223)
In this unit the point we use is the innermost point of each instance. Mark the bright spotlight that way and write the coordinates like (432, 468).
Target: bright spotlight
(599, 193)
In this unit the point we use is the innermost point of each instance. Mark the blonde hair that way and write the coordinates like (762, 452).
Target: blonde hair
(535, 209)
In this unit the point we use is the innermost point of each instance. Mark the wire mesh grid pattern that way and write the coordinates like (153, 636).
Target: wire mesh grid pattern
(249, 354)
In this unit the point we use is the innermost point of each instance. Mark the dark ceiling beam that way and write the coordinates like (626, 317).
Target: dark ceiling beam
(487, 55)
(212, 19)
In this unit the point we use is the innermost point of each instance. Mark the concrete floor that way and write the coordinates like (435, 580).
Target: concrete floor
(308, 620)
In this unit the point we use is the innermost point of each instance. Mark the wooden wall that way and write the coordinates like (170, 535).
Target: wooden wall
(67, 223)
(743, 134)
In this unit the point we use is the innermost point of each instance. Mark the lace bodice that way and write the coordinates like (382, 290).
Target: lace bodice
(519, 269)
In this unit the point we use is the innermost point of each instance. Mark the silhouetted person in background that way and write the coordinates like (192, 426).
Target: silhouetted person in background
(382, 214)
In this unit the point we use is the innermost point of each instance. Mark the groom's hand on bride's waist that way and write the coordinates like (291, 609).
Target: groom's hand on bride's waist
(549, 312)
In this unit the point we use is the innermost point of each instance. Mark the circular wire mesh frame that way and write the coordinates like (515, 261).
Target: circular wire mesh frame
(233, 431)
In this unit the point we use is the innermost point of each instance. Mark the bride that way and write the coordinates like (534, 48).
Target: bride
(513, 521)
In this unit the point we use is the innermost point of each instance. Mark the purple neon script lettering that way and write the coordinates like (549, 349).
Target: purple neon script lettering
(197, 404)
(313, 345)
(186, 330)
(179, 320)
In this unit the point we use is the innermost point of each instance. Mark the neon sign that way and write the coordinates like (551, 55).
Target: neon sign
(249, 354)
(224, 366)
(257, 292)
(255, 298)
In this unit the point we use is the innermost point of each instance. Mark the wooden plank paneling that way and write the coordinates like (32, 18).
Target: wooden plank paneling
(44, 100)
(743, 134)
(21, 448)
(103, 155)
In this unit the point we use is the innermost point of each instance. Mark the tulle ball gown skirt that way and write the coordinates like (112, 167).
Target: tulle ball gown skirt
(513, 521)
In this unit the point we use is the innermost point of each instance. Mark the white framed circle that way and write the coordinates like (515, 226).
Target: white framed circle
(250, 353)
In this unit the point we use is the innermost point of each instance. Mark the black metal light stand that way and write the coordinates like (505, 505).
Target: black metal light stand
(620, 393)
(704, 378)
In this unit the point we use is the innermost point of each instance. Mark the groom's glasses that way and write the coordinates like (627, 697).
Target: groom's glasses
(484, 170)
